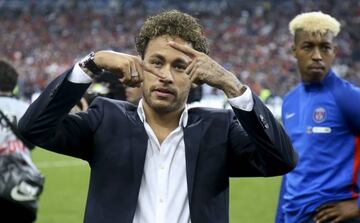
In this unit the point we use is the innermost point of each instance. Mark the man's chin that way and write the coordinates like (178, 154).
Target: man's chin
(161, 106)
(315, 76)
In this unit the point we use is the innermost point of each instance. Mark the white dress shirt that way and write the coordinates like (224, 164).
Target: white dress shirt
(163, 195)
(163, 191)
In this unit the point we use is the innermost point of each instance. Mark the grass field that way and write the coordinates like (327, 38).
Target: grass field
(252, 200)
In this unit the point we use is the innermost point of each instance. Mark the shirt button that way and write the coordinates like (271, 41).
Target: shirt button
(162, 167)
(161, 200)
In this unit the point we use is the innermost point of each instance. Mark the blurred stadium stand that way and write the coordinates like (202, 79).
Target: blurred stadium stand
(43, 38)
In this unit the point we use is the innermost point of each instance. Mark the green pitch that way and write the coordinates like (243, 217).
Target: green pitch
(63, 200)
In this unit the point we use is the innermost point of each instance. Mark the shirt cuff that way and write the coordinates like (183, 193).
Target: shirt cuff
(244, 102)
(78, 76)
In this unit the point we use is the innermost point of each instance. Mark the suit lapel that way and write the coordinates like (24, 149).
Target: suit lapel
(139, 140)
(193, 133)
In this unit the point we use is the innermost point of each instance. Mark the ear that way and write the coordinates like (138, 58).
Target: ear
(335, 49)
(293, 49)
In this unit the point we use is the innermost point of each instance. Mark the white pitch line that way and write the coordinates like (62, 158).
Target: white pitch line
(60, 163)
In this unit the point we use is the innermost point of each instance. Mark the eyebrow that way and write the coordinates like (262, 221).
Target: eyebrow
(159, 56)
(177, 60)
(180, 61)
(313, 42)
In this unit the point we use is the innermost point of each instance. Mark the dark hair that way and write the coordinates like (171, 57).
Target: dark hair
(8, 76)
(172, 23)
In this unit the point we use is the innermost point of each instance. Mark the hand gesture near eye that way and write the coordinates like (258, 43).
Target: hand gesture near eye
(130, 69)
(203, 69)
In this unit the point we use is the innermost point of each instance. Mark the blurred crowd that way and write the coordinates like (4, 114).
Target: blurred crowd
(43, 38)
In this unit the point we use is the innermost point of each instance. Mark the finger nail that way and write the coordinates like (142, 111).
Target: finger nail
(171, 42)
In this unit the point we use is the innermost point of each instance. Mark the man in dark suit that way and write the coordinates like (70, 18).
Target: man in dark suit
(160, 161)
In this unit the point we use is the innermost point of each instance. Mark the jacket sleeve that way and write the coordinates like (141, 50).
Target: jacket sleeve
(48, 124)
(268, 151)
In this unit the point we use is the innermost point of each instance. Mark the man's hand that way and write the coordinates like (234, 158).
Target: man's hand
(130, 69)
(337, 212)
(204, 69)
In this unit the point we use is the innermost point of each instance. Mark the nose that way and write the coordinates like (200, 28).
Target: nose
(167, 74)
(316, 55)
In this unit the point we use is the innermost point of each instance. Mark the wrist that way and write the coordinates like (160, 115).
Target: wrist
(88, 65)
(233, 88)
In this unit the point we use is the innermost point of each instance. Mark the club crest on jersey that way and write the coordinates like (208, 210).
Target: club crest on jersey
(319, 115)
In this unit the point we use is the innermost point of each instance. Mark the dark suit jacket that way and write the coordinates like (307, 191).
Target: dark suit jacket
(111, 137)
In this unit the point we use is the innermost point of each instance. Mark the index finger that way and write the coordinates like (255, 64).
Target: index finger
(184, 48)
(151, 70)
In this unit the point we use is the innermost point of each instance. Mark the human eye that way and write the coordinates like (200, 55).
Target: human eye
(180, 67)
(155, 62)
(326, 48)
(306, 47)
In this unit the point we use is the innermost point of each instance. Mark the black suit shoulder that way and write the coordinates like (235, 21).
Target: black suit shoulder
(206, 110)
(108, 102)
(211, 113)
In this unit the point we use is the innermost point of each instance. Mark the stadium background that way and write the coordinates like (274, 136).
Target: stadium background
(43, 38)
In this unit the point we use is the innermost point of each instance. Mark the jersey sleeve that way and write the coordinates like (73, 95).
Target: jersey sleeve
(279, 218)
(347, 97)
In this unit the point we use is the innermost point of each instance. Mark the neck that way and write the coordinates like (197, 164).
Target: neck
(168, 120)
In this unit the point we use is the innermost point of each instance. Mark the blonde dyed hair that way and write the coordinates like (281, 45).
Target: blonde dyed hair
(314, 22)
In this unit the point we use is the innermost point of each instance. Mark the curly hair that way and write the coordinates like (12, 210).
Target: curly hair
(8, 76)
(172, 23)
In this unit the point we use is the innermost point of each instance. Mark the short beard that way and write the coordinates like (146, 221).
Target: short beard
(165, 109)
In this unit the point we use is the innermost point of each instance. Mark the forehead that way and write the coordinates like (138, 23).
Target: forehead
(313, 37)
(159, 46)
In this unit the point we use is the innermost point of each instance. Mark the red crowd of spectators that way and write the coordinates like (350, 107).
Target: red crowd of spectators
(44, 38)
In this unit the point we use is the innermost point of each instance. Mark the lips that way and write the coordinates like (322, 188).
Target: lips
(164, 92)
(316, 67)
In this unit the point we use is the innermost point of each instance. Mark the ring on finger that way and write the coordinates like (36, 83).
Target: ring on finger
(134, 74)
